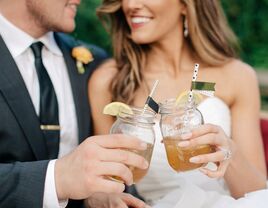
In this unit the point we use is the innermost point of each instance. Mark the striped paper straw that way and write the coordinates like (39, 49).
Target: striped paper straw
(190, 96)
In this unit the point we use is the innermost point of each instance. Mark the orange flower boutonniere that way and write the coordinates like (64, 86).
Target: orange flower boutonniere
(82, 56)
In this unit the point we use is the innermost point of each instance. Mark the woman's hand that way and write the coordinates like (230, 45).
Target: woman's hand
(123, 200)
(214, 136)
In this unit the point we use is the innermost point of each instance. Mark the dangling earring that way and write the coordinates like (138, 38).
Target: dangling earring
(185, 28)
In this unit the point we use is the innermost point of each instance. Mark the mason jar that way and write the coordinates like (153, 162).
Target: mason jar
(138, 123)
(175, 121)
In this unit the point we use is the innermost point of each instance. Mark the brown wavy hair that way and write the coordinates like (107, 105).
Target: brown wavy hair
(210, 37)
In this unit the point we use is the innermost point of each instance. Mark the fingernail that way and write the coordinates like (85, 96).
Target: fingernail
(145, 165)
(186, 136)
(184, 144)
(143, 145)
(194, 160)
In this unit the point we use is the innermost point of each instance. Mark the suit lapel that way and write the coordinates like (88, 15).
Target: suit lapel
(79, 87)
(16, 94)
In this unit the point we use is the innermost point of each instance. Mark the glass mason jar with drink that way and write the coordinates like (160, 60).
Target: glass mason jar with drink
(175, 121)
(138, 123)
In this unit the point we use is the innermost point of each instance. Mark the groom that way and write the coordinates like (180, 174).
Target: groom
(44, 112)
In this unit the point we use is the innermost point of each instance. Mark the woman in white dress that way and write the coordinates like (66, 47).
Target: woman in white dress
(163, 39)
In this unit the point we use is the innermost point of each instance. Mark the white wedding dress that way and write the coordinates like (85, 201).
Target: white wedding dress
(163, 187)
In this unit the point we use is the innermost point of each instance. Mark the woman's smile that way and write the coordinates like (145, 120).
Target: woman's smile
(139, 21)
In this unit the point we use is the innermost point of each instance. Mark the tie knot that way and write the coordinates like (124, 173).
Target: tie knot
(37, 48)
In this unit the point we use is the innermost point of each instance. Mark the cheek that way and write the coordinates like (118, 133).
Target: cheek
(123, 6)
(144, 37)
(170, 21)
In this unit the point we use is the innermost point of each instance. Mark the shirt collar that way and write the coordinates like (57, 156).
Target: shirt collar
(49, 41)
(19, 41)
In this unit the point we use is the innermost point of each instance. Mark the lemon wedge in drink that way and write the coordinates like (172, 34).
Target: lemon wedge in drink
(115, 108)
(183, 98)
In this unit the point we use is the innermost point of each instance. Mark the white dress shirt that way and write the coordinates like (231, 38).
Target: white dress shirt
(18, 43)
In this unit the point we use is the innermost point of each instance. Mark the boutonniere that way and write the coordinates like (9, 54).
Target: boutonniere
(82, 56)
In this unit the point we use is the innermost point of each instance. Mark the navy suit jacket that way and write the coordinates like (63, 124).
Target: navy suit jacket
(23, 151)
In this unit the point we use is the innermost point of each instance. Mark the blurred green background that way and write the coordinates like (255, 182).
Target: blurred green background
(248, 18)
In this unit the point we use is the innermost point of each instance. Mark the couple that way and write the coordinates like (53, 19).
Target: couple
(181, 33)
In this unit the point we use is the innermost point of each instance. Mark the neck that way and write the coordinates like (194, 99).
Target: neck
(171, 55)
(21, 18)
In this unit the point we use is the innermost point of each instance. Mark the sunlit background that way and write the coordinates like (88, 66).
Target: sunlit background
(248, 18)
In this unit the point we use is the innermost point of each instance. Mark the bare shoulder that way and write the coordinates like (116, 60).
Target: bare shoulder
(241, 82)
(239, 72)
(235, 79)
(99, 95)
(103, 75)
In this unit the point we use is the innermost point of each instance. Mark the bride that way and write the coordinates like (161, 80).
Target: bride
(163, 39)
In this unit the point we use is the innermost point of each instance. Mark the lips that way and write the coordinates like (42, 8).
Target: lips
(72, 6)
(139, 21)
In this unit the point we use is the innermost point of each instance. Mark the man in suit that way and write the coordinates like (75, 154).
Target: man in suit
(44, 113)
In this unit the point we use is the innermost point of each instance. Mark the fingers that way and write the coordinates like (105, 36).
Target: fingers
(119, 141)
(117, 203)
(115, 169)
(201, 130)
(108, 186)
(209, 138)
(132, 201)
(205, 135)
(219, 173)
(205, 158)
(104, 200)
(124, 156)
(216, 157)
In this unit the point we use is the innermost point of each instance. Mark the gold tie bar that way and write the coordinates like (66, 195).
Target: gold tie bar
(50, 127)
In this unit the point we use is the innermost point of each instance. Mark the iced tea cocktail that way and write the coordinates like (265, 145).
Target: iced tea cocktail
(139, 123)
(178, 157)
(175, 121)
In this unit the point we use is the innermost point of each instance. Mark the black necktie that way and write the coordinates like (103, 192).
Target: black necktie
(49, 115)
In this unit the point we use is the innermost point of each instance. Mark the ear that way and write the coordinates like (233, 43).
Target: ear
(183, 7)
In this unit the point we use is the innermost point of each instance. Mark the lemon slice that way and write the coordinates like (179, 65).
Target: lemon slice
(183, 98)
(115, 108)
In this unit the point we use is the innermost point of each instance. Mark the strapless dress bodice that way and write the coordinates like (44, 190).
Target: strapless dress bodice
(162, 179)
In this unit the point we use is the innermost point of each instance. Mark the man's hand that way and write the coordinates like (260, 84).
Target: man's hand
(122, 200)
(84, 171)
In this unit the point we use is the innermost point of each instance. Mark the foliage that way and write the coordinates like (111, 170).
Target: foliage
(88, 26)
(248, 18)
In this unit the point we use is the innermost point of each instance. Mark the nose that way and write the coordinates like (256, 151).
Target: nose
(132, 4)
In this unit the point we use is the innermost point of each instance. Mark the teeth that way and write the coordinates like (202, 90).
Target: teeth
(140, 19)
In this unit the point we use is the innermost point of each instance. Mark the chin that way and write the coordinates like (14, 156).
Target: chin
(142, 37)
(141, 40)
(67, 27)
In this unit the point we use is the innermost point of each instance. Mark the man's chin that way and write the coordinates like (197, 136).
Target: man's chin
(68, 28)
